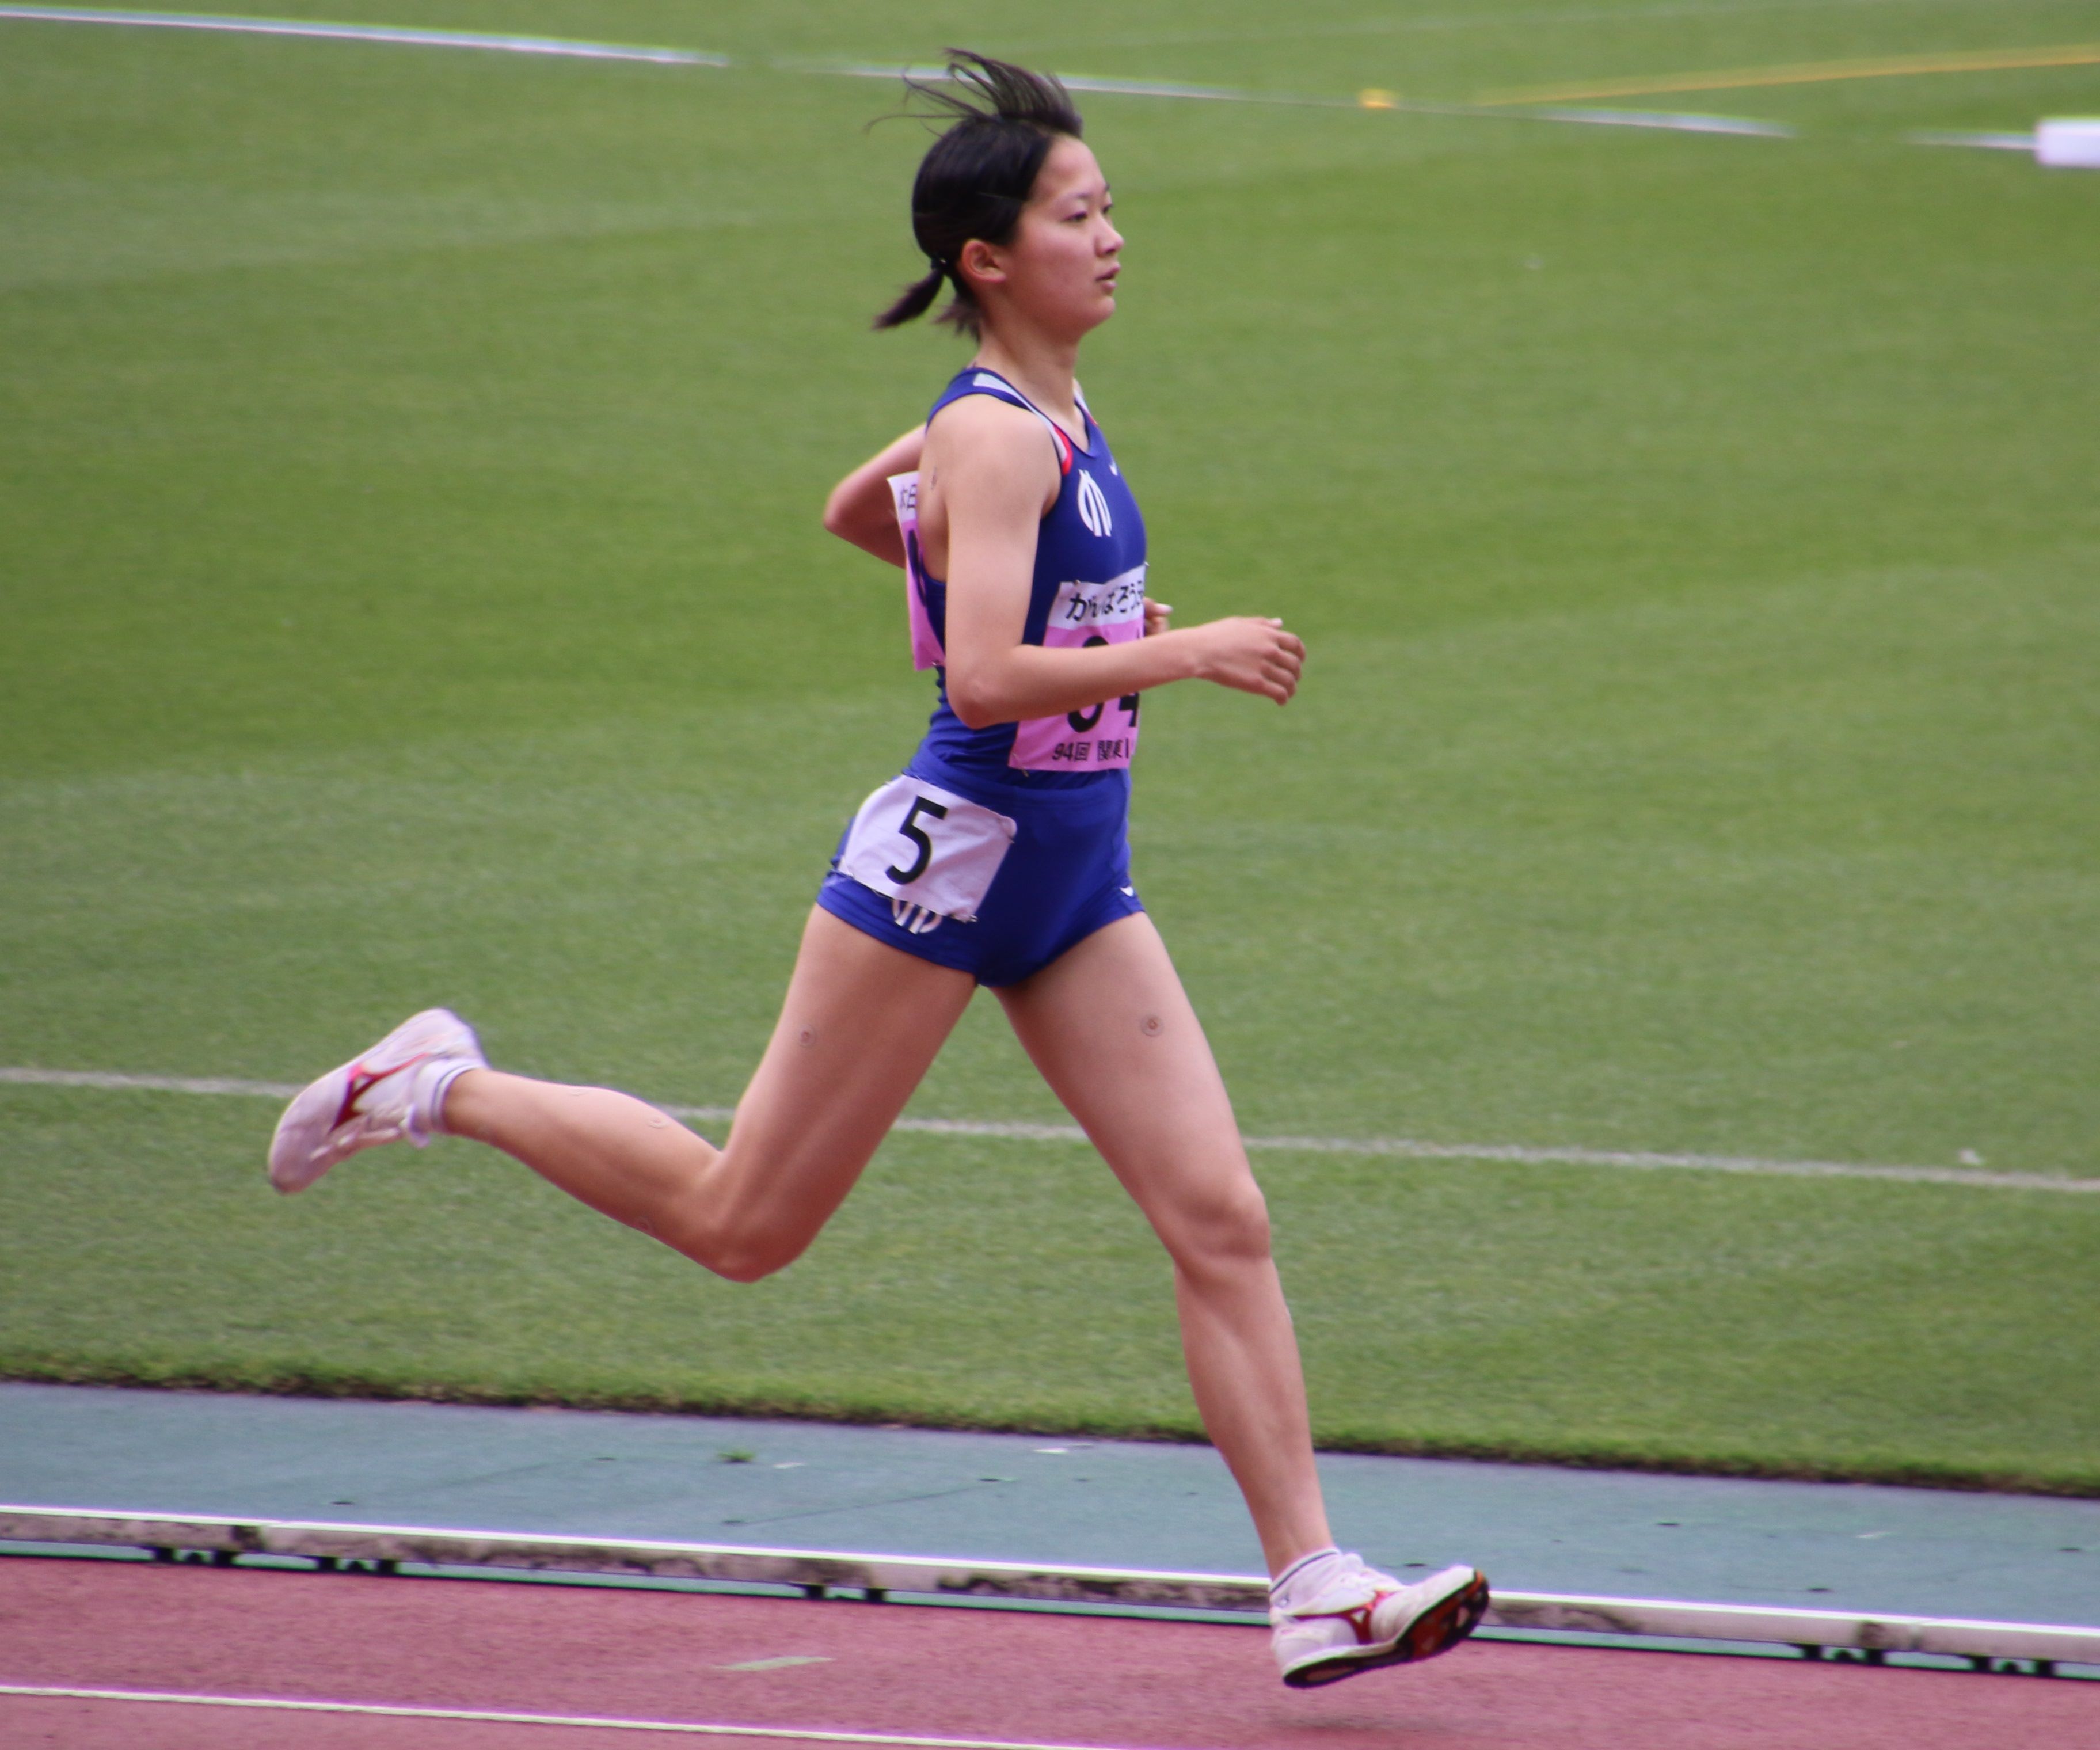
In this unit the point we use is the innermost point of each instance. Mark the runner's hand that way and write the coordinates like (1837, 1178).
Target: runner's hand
(1255, 655)
(1158, 618)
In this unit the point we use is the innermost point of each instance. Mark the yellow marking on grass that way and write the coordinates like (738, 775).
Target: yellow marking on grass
(1810, 72)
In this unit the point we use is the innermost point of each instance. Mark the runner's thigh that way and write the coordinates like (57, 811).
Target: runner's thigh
(1111, 1030)
(860, 1024)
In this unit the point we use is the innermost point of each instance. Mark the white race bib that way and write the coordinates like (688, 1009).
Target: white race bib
(915, 842)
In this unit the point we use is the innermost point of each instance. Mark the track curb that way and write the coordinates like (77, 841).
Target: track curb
(819, 1573)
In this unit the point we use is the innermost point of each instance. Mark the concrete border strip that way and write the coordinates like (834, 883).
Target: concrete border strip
(1393, 1146)
(818, 1571)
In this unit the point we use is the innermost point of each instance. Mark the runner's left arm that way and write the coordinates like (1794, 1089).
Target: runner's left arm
(860, 510)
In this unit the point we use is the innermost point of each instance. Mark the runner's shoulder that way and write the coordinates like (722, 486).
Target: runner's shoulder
(986, 418)
(985, 437)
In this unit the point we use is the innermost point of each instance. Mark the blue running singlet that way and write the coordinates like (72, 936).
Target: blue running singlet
(1000, 848)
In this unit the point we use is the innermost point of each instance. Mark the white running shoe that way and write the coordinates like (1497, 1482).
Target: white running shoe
(1363, 1619)
(393, 1091)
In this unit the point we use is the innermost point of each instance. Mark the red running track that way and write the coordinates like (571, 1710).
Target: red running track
(1024, 1679)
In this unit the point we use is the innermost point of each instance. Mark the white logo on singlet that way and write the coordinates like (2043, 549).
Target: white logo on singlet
(1094, 506)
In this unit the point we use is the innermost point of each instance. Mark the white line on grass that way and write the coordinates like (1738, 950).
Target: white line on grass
(381, 1710)
(407, 35)
(148, 1084)
(572, 48)
(1400, 1147)
(1988, 141)
(1367, 99)
(1215, 94)
(413, 37)
(1650, 118)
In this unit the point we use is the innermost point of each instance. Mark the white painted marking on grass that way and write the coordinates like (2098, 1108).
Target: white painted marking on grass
(1643, 1161)
(571, 48)
(1407, 1148)
(148, 1084)
(565, 46)
(405, 35)
(1988, 141)
(1399, 1147)
(1681, 124)
(1367, 99)
(386, 1711)
(1071, 81)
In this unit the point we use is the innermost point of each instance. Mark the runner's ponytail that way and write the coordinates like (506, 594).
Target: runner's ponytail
(917, 300)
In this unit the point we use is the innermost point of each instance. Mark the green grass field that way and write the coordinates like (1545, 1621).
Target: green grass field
(409, 464)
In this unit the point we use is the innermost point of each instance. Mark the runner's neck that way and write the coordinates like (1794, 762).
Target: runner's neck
(1049, 381)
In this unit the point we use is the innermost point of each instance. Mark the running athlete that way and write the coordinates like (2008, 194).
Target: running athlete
(998, 858)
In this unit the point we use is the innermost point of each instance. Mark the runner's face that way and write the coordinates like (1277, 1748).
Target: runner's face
(1063, 256)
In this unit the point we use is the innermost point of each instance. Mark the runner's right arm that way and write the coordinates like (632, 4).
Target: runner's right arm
(859, 509)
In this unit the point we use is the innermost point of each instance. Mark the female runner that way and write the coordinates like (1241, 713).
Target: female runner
(998, 857)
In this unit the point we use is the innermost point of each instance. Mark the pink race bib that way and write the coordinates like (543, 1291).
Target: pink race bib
(926, 651)
(1103, 737)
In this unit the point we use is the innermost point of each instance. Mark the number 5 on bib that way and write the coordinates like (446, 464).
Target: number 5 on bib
(916, 842)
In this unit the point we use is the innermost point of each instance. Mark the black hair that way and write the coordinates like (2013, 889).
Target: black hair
(977, 176)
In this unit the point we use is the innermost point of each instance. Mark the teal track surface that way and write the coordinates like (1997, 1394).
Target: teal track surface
(995, 1497)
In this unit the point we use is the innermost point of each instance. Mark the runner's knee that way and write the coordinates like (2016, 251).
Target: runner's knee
(748, 1266)
(751, 1257)
(748, 1247)
(1222, 1224)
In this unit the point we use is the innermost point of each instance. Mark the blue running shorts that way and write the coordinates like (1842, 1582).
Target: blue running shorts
(1066, 875)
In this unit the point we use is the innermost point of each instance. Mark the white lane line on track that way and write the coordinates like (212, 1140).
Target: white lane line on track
(1396, 1147)
(381, 1710)
(405, 35)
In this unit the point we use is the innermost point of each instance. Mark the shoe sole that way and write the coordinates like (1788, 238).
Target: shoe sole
(1437, 1630)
